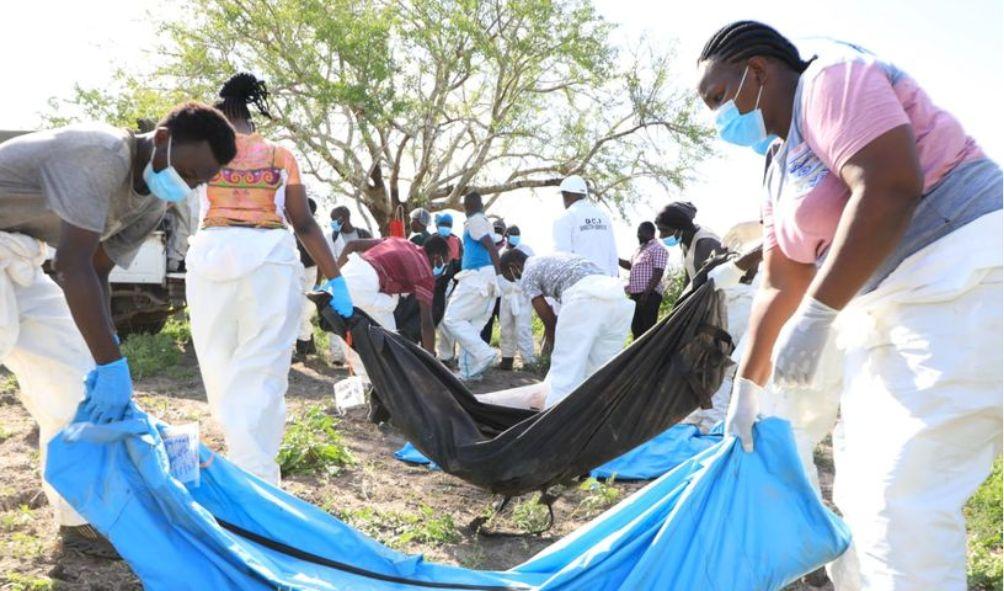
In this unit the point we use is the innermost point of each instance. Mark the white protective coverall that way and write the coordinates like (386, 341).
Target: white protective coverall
(592, 328)
(308, 279)
(41, 346)
(445, 345)
(364, 288)
(244, 297)
(918, 387)
(586, 230)
(469, 309)
(515, 331)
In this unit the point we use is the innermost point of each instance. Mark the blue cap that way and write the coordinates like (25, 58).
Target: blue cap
(444, 219)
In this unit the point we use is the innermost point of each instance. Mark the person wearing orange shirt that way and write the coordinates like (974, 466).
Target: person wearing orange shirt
(243, 284)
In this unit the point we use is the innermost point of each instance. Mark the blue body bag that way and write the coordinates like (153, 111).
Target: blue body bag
(722, 520)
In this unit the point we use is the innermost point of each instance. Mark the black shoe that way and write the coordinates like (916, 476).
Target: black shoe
(86, 540)
(506, 364)
(305, 348)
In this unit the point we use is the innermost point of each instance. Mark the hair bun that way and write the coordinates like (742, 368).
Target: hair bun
(243, 86)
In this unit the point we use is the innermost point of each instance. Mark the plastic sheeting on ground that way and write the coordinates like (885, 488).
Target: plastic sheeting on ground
(654, 383)
(723, 520)
(649, 460)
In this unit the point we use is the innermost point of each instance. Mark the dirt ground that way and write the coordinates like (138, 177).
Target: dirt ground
(30, 556)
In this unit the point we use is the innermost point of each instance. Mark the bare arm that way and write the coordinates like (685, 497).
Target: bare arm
(103, 265)
(428, 327)
(785, 283)
(86, 290)
(704, 249)
(356, 246)
(624, 264)
(652, 283)
(307, 230)
(886, 184)
(546, 315)
(486, 241)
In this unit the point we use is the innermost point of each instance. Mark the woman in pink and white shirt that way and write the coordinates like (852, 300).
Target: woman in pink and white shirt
(882, 239)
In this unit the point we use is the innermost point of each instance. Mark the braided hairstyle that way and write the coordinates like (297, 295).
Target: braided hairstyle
(744, 39)
(238, 92)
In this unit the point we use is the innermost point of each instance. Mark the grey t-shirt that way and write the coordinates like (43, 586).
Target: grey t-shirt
(81, 174)
(550, 275)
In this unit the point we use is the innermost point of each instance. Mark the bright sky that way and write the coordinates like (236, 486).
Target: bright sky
(954, 49)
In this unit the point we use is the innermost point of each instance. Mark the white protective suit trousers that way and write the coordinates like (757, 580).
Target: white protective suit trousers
(243, 328)
(445, 345)
(308, 279)
(468, 311)
(364, 288)
(592, 328)
(41, 346)
(515, 332)
(920, 400)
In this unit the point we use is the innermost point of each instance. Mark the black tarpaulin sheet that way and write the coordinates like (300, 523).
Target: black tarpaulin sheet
(663, 376)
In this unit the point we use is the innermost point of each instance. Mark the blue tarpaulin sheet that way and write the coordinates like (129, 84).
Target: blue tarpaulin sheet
(645, 462)
(722, 520)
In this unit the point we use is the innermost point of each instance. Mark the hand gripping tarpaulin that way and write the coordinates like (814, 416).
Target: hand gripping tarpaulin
(649, 460)
(723, 520)
(657, 381)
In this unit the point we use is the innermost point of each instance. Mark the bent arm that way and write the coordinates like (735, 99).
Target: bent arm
(546, 315)
(886, 184)
(307, 230)
(356, 246)
(492, 252)
(785, 283)
(86, 289)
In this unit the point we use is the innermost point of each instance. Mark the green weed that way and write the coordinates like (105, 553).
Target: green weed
(530, 515)
(17, 518)
(19, 582)
(23, 545)
(313, 444)
(599, 495)
(397, 529)
(984, 515)
(154, 354)
(8, 383)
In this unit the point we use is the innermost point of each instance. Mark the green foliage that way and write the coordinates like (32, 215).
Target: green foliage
(126, 102)
(8, 384)
(18, 582)
(599, 495)
(675, 283)
(312, 444)
(448, 94)
(24, 545)
(530, 515)
(398, 529)
(154, 354)
(984, 518)
(17, 518)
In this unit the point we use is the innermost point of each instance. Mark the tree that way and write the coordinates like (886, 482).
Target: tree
(413, 103)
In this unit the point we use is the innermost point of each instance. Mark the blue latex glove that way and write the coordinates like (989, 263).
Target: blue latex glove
(341, 301)
(109, 391)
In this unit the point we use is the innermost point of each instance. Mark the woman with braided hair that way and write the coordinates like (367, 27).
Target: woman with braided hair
(881, 227)
(244, 282)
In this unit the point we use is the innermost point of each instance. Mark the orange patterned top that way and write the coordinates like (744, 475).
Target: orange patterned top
(250, 191)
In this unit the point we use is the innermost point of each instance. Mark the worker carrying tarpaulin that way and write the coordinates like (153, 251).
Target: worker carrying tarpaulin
(658, 380)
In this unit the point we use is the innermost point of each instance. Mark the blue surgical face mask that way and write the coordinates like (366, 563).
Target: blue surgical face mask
(514, 241)
(743, 129)
(671, 241)
(437, 270)
(763, 145)
(166, 184)
(336, 225)
(444, 231)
